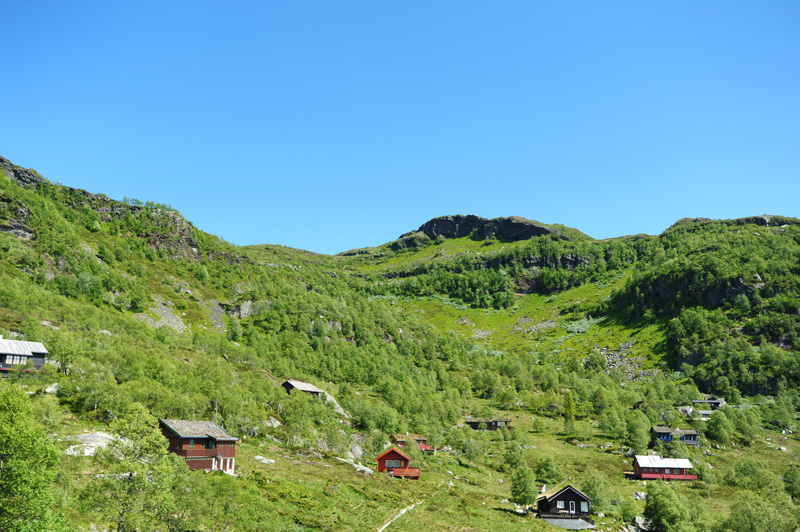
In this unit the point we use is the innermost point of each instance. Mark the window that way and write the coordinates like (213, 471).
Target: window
(16, 359)
(584, 507)
(666, 471)
(191, 443)
(560, 505)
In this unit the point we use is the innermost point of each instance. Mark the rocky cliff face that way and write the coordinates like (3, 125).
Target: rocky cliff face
(23, 176)
(478, 228)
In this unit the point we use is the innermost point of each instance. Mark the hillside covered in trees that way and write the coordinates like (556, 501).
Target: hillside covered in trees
(584, 344)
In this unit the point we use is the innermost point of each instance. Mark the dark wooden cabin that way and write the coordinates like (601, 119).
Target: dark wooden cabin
(203, 444)
(668, 435)
(303, 386)
(488, 423)
(15, 355)
(656, 467)
(566, 503)
(396, 464)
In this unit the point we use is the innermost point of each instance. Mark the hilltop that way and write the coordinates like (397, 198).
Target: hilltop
(583, 343)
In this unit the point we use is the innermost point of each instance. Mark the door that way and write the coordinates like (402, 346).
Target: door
(572, 507)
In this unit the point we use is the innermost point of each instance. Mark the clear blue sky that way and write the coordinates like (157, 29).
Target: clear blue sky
(333, 125)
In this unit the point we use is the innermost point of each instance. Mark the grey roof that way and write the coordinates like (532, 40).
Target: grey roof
(569, 524)
(197, 429)
(304, 386)
(17, 347)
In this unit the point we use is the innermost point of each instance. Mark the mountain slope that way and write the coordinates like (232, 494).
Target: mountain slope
(465, 316)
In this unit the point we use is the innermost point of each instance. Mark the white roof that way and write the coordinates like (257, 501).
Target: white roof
(17, 347)
(657, 461)
(304, 386)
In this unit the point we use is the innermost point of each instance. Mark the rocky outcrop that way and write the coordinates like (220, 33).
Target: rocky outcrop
(23, 176)
(765, 220)
(14, 216)
(508, 229)
(411, 240)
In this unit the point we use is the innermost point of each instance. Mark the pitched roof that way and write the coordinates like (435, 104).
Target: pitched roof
(18, 347)
(304, 386)
(197, 429)
(390, 449)
(560, 488)
(657, 461)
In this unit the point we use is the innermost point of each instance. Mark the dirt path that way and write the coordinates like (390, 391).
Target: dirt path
(398, 515)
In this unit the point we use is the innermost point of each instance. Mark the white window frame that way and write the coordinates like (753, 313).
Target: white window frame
(560, 505)
(584, 507)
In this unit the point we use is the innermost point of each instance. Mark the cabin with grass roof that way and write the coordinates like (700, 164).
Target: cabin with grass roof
(668, 435)
(401, 440)
(203, 444)
(494, 423)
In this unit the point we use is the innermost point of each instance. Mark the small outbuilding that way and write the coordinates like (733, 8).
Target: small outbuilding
(15, 355)
(203, 444)
(657, 467)
(488, 423)
(303, 386)
(396, 463)
(566, 507)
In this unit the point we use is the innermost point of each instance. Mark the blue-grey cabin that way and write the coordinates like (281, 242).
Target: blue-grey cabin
(668, 435)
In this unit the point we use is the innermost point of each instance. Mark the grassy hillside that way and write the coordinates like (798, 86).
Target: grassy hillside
(584, 344)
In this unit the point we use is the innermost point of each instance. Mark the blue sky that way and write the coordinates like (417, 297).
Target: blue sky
(333, 125)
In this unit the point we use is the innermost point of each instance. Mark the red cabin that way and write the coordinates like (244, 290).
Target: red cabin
(419, 439)
(655, 467)
(203, 444)
(396, 463)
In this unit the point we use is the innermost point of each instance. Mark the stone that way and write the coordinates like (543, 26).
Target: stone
(263, 460)
(640, 496)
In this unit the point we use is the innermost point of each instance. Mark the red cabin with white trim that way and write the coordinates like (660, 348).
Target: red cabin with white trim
(396, 464)
(656, 467)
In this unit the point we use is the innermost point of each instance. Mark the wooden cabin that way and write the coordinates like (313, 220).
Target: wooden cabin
(488, 423)
(303, 386)
(422, 442)
(656, 467)
(15, 355)
(397, 464)
(203, 444)
(565, 502)
(668, 435)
